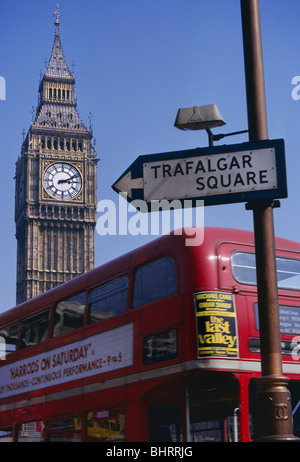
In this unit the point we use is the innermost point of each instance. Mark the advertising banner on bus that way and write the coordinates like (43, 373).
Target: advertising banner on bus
(216, 324)
(100, 353)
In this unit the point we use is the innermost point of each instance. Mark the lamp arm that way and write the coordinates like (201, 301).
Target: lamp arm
(222, 135)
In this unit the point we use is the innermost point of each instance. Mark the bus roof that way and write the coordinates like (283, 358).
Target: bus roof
(175, 243)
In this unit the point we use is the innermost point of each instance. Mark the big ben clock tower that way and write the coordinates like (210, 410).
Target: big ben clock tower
(56, 192)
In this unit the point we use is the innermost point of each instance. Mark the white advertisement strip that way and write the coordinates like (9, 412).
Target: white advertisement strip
(235, 172)
(103, 352)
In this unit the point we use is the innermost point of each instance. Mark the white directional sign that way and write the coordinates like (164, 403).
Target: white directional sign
(218, 175)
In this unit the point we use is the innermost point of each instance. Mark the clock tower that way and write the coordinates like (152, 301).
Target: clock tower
(56, 192)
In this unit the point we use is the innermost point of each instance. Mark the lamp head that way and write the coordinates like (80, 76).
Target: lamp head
(199, 118)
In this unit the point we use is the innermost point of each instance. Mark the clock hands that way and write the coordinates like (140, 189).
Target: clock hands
(68, 180)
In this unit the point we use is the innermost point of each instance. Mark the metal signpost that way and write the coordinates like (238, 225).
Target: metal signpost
(275, 421)
(217, 175)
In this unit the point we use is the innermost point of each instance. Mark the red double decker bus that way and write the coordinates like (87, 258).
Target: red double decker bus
(161, 345)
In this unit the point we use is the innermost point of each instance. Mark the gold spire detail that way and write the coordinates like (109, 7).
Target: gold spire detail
(57, 14)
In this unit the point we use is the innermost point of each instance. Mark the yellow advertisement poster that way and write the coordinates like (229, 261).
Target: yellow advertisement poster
(216, 324)
(106, 425)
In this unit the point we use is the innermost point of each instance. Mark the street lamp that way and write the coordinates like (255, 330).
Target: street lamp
(202, 118)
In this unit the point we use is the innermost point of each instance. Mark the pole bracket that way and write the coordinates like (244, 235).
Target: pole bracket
(251, 205)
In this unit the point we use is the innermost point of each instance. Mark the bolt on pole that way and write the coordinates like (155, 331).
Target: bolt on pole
(274, 411)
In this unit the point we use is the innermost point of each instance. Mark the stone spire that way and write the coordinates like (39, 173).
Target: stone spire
(57, 64)
(57, 108)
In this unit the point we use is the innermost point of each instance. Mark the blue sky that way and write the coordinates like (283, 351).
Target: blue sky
(137, 62)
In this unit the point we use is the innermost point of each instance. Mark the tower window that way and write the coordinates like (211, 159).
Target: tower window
(74, 147)
(68, 255)
(49, 143)
(61, 144)
(68, 145)
(74, 253)
(48, 255)
(50, 92)
(43, 143)
(55, 252)
(55, 143)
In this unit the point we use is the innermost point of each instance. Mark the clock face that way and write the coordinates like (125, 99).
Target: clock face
(62, 181)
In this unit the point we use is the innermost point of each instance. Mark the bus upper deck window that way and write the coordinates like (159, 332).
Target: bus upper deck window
(154, 281)
(244, 270)
(8, 339)
(108, 300)
(69, 314)
(243, 267)
(34, 329)
(288, 273)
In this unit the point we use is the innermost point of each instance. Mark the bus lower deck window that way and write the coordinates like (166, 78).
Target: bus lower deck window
(31, 432)
(105, 425)
(64, 429)
(6, 435)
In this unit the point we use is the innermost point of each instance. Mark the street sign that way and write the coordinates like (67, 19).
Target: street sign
(216, 175)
